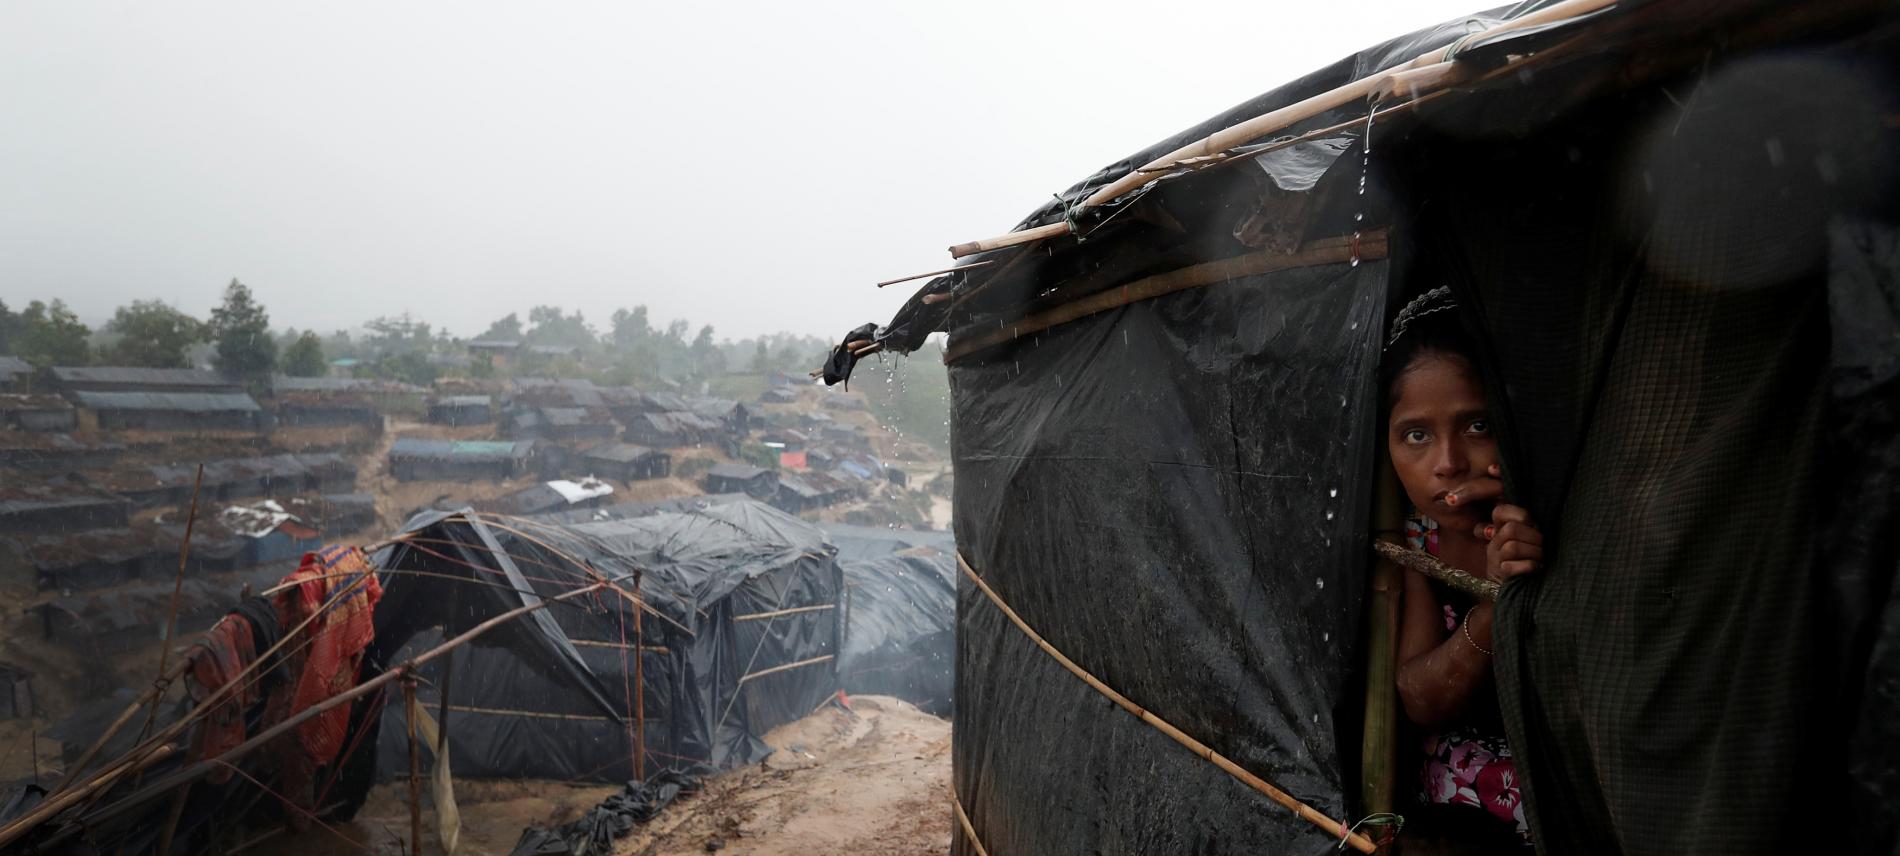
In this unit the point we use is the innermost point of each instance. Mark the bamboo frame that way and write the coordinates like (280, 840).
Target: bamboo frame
(985, 263)
(1369, 245)
(785, 667)
(1274, 121)
(963, 821)
(528, 714)
(635, 646)
(1379, 743)
(1303, 811)
(796, 610)
(21, 825)
(1428, 564)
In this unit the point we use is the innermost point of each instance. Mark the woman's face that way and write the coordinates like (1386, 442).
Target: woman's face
(1439, 437)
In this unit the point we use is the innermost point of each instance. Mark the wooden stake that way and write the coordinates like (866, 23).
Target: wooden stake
(178, 585)
(1305, 812)
(24, 823)
(1379, 743)
(415, 766)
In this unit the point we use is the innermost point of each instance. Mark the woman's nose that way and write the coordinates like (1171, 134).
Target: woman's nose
(1451, 461)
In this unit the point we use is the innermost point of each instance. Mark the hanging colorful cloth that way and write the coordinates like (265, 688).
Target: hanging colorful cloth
(337, 637)
(216, 660)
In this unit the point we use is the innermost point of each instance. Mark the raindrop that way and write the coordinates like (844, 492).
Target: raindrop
(1333, 492)
(1329, 515)
(1326, 637)
(1320, 582)
(1316, 717)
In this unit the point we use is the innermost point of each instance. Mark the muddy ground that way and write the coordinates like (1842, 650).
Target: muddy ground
(871, 781)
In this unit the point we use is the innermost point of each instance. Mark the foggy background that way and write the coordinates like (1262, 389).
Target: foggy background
(755, 166)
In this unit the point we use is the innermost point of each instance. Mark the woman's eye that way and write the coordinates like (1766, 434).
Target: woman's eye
(1414, 436)
(1479, 427)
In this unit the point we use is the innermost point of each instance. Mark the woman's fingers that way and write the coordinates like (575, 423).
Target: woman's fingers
(1505, 512)
(1513, 550)
(1482, 489)
(1516, 567)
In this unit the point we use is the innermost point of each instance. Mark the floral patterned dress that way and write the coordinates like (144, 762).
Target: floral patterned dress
(1467, 764)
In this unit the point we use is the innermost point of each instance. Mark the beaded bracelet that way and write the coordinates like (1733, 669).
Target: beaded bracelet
(1465, 625)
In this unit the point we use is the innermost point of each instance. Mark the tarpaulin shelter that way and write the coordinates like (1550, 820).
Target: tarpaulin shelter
(1672, 229)
(414, 459)
(170, 411)
(740, 634)
(900, 613)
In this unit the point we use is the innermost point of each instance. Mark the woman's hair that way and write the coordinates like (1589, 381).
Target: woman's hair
(1427, 325)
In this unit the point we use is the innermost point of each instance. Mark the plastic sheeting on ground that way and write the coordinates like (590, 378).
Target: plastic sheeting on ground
(594, 834)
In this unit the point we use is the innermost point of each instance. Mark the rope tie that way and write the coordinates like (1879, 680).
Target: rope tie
(1382, 818)
(1068, 216)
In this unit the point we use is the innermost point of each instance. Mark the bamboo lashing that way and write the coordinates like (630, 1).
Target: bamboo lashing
(969, 832)
(1275, 121)
(26, 822)
(796, 610)
(1429, 565)
(786, 667)
(1305, 812)
(1369, 245)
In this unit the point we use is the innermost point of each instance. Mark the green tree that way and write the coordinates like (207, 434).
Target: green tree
(241, 329)
(408, 367)
(507, 329)
(304, 357)
(549, 327)
(51, 335)
(153, 335)
(761, 359)
(399, 334)
(629, 327)
(11, 326)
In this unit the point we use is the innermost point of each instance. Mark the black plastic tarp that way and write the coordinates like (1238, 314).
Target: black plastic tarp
(900, 634)
(1678, 248)
(736, 591)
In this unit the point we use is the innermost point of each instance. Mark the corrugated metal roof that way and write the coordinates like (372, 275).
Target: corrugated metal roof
(139, 376)
(625, 453)
(742, 472)
(463, 401)
(183, 402)
(10, 366)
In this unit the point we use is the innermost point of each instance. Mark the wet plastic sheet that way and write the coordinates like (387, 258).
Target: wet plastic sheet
(737, 591)
(1205, 559)
(901, 634)
(594, 834)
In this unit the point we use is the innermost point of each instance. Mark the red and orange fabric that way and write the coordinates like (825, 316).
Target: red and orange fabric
(338, 637)
(215, 661)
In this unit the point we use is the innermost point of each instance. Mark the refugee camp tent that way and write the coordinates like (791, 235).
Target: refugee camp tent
(38, 413)
(170, 411)
(71, 379)
(739, 635)
(15, 374)
(742, 478)
(1671, 227)
(58, 507)
(553, 496)
(413, 459)
(673, 429)
(627, 462)
(900, 613)
(461, 410)
(559, 423)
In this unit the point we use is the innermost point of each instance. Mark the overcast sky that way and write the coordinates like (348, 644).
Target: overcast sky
(756, 166)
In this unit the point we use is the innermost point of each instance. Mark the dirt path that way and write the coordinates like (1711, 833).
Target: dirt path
(873, 781)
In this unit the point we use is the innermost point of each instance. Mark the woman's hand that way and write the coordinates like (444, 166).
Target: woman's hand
(1514, 546)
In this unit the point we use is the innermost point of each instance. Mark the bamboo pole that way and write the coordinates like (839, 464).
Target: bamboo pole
(785, 667)
(65, 799)
(1369, 245)
(415, 766)
(639, 688)
(150, 696)
(20, 826)
(969, 832)
(172, 816)
(1379, 743)
(984, 263)
(1275, 121)
(178, 585)
(796, 610)
(1303, 811)
(1428, 564)
(444, 816)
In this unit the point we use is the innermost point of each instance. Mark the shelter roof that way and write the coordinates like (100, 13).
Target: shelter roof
(131, 375)
(11, 367)
(742, 472)
(182, 402)
(460, 450)
(625, 453)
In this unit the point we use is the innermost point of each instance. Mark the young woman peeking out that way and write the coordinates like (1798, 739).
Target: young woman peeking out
(1440, 443)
